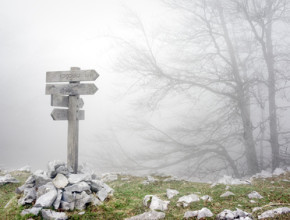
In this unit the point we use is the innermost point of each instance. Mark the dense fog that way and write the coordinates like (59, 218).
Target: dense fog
(196, 89)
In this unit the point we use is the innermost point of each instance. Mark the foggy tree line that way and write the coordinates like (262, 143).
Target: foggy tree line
(233, 55)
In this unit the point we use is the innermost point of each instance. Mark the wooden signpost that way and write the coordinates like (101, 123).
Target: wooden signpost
(67, 96)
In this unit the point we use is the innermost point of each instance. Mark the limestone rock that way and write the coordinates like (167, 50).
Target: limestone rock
(26, 168)
(52, 167)
(206, 198)
(171, 193)
(47, 199)
(231, 215)
(95, 201)
(56, 203)
(21, 189)
(274, 212)
(149, 180)
(52, 215)
(152, 215)
(68, 196)
(227, 194)
(28, 197)
(203, 213)
(7, 179)
(228, 180)
(78, 187)
(44, 189)
(102, 194)
(62, 170)
(255, 195)
(41, 178)
(60, 181)
(33, 210)
(109, 177)
(81, 200)
(76, 178)
(30, 180)
(67, 205)
(156, 203)
(186, 200)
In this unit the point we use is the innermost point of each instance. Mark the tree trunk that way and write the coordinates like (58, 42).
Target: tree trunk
(251, 155)
(269, 57)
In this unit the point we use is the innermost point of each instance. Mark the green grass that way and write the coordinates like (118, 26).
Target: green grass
(128, 197)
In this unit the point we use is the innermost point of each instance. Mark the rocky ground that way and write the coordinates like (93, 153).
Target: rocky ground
(59, 194)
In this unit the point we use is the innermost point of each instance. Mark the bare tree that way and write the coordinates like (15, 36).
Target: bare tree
(261, 16)
(213, 52)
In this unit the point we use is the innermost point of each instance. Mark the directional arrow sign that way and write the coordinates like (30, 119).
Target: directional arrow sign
(62, 101)
(71, 76)
(62, 114)
(71, 89)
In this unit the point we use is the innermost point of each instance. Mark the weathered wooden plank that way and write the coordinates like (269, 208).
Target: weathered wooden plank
(73, 134)
(71, 89)
(58, 114)
(62, 101)
(73, 75)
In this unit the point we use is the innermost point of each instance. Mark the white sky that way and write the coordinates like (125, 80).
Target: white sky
(39, 36)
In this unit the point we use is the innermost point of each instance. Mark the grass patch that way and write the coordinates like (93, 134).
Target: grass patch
(129, 194)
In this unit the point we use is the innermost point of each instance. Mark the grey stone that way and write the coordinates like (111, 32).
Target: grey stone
(203, 213)
(171, 193)
(30, 180)
(62, 170)
(255, 195)
(21, 189)
(274, 212)
(52, 215)
(52, 167)
(95, 201)
(227, 194)
(81, 213)
(155, 203)
(33, 210)
(206, 198)
(76, 178)
(56, 203)
(47, 199)
(109, 177)
(41, 178)
(67, 205)
(68, 196)
(81, 200)
(96, 185)
(7, 179)
(44, 189)
(102, 194)
(230, 215)
(190, 214)
(186, 200)
(78, 187)
(28, 197)
(152, 215)
(26, 168)
(60, 181)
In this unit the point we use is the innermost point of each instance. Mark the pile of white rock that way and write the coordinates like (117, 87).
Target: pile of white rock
(61, 189)
(7, 179)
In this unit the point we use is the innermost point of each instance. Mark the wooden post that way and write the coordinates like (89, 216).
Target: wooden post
(73, 130)
(68, 95)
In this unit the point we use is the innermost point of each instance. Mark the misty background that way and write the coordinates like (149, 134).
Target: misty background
(183, 86)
